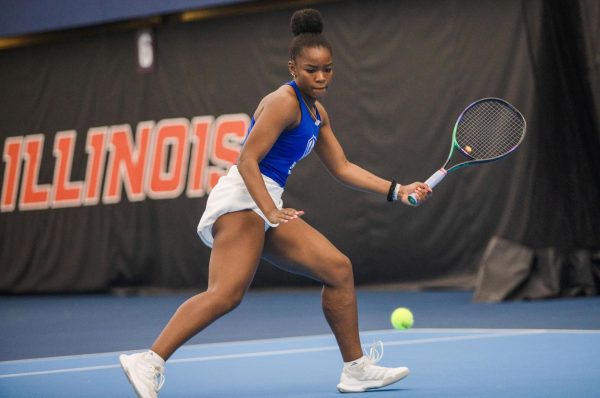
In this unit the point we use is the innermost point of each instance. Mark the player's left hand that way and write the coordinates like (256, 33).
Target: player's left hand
(284, 215)
(421, 189)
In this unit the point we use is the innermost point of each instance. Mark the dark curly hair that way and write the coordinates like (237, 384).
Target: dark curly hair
(307, 27)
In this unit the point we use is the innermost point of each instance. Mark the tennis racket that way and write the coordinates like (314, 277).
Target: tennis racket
(487, 130)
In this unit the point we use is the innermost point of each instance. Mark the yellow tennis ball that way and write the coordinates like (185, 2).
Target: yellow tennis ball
(468, 149)
(402, 318)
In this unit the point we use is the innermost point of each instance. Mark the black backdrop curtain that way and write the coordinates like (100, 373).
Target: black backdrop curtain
(568, 140)
(403, 72)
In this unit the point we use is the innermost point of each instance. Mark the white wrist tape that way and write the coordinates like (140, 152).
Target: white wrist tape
(396, 192)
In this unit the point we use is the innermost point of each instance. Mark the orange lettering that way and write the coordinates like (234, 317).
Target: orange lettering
(33, 196)
(126, 165)
(169, 155)
(197, 175)
(230, 131)
(94, 146)
(12, 158)
(65, 193)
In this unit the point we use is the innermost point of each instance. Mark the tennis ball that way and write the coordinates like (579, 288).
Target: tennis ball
(402, 318)
(468, 149)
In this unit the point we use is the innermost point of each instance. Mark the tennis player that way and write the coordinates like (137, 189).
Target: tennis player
(245, 220)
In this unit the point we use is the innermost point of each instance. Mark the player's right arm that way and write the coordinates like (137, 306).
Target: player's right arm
(276, 112)
(332, 155)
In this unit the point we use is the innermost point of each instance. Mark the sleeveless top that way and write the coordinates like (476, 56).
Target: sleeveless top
(291, 146)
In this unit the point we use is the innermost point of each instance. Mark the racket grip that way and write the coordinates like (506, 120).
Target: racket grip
(432, 182)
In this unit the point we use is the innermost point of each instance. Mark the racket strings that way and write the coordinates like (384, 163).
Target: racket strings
(492, 130)
(489, 129)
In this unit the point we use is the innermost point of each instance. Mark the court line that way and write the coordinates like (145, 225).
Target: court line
(188, 347)
(56, 371)
(282, 352)
(334, 348)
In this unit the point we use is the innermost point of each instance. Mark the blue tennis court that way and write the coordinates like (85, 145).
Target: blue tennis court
(459, 349)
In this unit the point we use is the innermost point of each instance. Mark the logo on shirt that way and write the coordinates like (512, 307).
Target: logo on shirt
(309, 146)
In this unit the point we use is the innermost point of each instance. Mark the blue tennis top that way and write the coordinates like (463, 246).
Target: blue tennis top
(292, 145)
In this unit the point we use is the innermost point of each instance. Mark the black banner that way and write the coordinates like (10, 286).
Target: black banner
(106, 169)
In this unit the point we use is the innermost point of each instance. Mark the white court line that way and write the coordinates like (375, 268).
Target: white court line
(284, 352)
(334, 348)
(55, 371)
(188, 347)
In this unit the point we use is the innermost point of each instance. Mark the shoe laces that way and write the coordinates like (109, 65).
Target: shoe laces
(375, 352)
(157, 376)
(159, 379)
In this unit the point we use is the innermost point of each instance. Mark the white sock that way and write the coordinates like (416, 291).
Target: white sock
(356, 362)
(155, 358)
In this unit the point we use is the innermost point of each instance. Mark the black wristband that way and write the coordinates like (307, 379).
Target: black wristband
(390, 196)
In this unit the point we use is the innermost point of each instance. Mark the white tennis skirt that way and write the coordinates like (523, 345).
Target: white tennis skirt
(229, 195)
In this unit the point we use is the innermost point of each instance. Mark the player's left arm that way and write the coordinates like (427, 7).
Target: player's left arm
(332, 155)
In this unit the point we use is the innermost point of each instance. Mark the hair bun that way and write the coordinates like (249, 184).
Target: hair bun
(306, 21)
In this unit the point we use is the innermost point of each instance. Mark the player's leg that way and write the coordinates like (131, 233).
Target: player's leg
(232, 266)
(299, 248)
(238, 243)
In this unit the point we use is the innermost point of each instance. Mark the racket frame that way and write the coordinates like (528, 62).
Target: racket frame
(472, 160)
(439, 175)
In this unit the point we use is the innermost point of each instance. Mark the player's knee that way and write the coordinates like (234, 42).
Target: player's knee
(233, 299)
(341, 271)
(226, 301)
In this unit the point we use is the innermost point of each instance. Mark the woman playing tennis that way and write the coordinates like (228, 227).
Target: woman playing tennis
(245, 220)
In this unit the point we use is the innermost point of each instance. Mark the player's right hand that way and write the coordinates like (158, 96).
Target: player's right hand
(420, 189)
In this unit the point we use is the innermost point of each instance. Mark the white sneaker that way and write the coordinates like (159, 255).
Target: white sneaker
(145, 372)
(364, 375)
